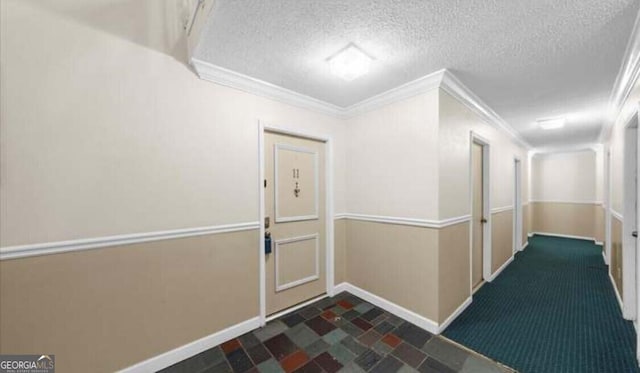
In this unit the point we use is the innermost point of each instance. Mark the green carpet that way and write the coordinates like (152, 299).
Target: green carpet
(553, 309)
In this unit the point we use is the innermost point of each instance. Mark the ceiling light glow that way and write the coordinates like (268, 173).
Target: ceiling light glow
(551, 124)
(350, 63)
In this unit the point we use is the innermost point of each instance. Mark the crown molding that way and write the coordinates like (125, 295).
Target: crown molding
(591, 147)
(443, 79)
(229, 78)
(625, 80)
(404, 91)
(462, 93)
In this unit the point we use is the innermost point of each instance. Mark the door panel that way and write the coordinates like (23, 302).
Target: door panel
(476, 214)
(295, 205)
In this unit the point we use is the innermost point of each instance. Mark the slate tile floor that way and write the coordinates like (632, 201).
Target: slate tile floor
(339, 334)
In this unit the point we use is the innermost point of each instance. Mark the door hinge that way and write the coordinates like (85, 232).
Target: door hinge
(265, 183)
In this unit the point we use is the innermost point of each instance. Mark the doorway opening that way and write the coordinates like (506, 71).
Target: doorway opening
(630, 218)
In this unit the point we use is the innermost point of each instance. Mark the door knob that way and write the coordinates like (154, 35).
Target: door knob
(483, 221)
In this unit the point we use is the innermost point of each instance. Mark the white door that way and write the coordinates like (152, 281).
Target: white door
(295, 220)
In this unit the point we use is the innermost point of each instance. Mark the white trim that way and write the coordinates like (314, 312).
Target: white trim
(498, 210)
(329, 226)
(563, 236)
(525, 245)
(425, 223)
(616, 215)
(599, 243)
(499, 270)
(24, 251)
(340, 216)
(229, 78)
(462, 93)
(281, 287)
(408, 315)
(443, 79)
(517, 202)
(458, 311)
(290, 219)
(625, 80)
(487, 248)
(193, 348)
(404, 91)
(567, 201)
(295, 308)
(615, 289)
(559, 150)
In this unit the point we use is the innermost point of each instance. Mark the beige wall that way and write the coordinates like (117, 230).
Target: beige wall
(564, 177)
(105, 130)
(340, 251)
(526, 223)
(501, 238)
(616, 253)
(453, 269)
(574, 219)
(396, 262)
(116, 113)
(111, 308)
(456, 123)
(392, 153)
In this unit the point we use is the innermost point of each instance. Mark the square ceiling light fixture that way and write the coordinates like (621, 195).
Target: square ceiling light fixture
(551, 123)
(349, 63)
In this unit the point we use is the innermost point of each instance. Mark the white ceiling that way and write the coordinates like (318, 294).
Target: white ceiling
(525, 59)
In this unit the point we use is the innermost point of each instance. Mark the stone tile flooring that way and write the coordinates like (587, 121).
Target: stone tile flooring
(339, 334)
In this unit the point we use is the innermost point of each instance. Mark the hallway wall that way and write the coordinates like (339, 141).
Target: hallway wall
(106, 131)
(615, 146)
(566, 196)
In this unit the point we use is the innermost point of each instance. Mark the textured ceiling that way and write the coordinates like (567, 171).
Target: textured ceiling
(526, 59)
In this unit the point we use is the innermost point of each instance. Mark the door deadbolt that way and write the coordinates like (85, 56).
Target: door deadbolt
(483, 221)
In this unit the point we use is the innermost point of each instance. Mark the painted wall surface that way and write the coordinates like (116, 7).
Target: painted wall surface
(110, 308)
(392, 159)
(616, 254)
(453, 269)
(501, 238)
(116, 135)
(340, 251)
(456, 123)
(573, 219)
(396, 262)
(565, 177)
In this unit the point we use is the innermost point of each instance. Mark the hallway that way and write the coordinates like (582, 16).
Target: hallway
(552, 310)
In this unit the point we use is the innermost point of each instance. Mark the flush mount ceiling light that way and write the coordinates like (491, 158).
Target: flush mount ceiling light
(551, 123)
(349, 63)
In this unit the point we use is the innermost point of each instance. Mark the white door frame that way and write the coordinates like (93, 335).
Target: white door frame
(486, 208)
(329, 215)
(629, 224)
(517, 205)
(607, 206)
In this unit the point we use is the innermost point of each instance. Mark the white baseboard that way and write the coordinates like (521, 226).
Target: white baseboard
(565, 236)
(604, 257)
(190, 349)
(403, 313)
(599, 243)
(524, 246)
(615, 289)
(502, 267)
(454, 315)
